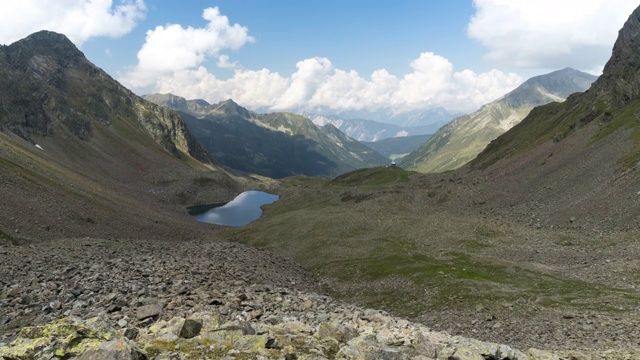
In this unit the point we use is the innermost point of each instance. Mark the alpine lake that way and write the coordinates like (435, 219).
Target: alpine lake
(238, 212)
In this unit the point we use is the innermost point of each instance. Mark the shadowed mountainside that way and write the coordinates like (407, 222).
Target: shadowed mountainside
(275, 144)
(103, 154)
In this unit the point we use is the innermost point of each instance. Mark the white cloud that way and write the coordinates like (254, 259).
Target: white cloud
(304, 82)
(255, 89)
(173, 48)
(79, 20)
(171, 61)
(223, 62)
(549, 33)
(318, 84)
(430, 83)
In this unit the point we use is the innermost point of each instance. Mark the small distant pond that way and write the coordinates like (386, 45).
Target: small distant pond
(240, 211)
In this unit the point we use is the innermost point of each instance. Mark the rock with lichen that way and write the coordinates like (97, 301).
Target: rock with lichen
(379, 338)
(70, 337)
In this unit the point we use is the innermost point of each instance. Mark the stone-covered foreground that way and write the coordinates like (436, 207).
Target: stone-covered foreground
(256, 322)
(117, 299)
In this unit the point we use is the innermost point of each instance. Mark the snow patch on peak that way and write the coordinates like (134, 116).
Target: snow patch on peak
(402, 133)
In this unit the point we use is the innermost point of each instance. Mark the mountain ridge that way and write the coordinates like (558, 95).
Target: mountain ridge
(51, 60)
(573, 164)
(370, 130)
(274, 144)
(466, 136)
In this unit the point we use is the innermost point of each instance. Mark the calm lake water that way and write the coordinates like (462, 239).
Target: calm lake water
(240, 211)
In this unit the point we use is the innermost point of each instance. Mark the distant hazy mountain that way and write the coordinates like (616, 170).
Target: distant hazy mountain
(430, 118)
(466, 136)
(398, 147)
(275, 145)
(369, 130)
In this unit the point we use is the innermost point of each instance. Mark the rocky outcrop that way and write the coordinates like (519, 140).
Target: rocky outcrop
(620, 82)
(257, 322)
(72, 338)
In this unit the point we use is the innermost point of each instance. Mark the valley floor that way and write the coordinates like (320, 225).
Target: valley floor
(393, 241)
(409, 249)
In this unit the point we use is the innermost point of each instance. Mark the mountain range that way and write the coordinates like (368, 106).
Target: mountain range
(371, 131)
(431, 119)
(397, 147)
(274, 145)
(459, 141)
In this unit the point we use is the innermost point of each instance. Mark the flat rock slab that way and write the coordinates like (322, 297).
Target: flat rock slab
(149, 311)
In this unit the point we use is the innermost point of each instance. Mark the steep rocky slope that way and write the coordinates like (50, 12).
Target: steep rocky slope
(49, 86)
(82, 155)
(466, 136)
(274, 144)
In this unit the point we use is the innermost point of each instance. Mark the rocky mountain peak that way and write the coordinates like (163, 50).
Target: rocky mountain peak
(561, 83)
(44, 44)
(230, 107)
(619, 82)
(49, 88)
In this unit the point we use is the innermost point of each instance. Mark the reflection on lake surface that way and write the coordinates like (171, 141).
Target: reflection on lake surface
(240, 211)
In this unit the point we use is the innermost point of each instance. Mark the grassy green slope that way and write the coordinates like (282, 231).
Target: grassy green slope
(555, 122)
(375, 239)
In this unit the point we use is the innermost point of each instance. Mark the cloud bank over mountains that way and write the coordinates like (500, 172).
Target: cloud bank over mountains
(317, 83)
(170, 61)
(181, 59)
(542, 34)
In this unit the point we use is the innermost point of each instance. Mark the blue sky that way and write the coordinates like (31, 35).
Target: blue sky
(366, 38)
(343, 55)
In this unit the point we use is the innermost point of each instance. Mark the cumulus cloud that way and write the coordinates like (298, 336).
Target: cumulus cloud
(79, 20)
(255, 89)
(318, 84)
(171, 61)
(304, 82)
(549, 33)
(173, 48)
(223, 62)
